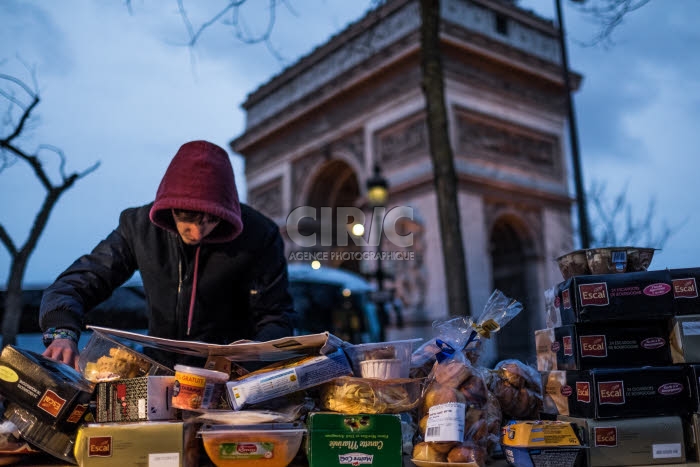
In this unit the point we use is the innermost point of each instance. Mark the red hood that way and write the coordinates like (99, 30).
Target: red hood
(200, 178)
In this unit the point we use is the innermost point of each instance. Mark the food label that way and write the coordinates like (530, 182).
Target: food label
(568, 346)
(666, 451)
(51, 403)
(594, 294)
(446, 422)
(670, 389)
(8, 374)
(605, 436)
(566, 299)
(656, 290)
(247, 450)
(77, 413)
(100, 446)
(593, 346)
(685, 288)
(651, 343)
(188, 390)
(355, 458)
(611, 392)
(583, 391)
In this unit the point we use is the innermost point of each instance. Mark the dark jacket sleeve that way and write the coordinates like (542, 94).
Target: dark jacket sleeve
(90, 280)
(270, 302)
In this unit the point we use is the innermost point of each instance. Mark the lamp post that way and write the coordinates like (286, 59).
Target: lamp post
(377, 194)
(573, 133)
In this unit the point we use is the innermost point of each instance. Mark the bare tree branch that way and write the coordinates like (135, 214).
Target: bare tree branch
(10, 152)
(614, 224)
(609, 14)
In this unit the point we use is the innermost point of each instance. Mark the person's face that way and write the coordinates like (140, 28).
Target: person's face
(193, 226)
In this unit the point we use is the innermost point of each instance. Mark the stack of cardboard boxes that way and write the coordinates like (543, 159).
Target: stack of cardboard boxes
(619, 360)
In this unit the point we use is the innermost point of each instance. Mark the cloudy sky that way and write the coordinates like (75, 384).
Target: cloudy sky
(121, 88)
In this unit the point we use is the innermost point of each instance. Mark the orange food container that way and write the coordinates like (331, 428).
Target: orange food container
(263, 445)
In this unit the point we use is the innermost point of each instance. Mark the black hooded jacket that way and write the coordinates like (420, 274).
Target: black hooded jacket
(241, 278)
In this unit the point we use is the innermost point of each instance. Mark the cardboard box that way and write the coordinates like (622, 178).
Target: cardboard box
(685, 291)
(135, 399)
(337, 439)
(685, 339)
(285, 378)
(611, 344)
(52, 391)
(632, 441)
(538, 457)
(630, 296)
(138, 443)
(540, 433)
(621, 392)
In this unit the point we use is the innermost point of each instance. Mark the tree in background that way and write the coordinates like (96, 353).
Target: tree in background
(21, 101)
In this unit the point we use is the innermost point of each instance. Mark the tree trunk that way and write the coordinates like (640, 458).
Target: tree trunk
(13, 301)
(445, 178)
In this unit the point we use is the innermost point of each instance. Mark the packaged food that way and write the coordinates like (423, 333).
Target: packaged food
(383, 360)
(53, 391)
(263, 445)
(197, 388)
(106, 359)
(351, 395)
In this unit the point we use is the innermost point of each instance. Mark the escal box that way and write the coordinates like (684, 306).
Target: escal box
(631, 296)
(618, 392)
(337, 439)
(54, 392)
(610, 344)
(632, 441)
(138, 444)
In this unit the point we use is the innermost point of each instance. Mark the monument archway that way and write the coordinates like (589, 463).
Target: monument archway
(513, 258)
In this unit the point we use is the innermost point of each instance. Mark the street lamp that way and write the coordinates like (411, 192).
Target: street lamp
(573, 133)
(377, 194)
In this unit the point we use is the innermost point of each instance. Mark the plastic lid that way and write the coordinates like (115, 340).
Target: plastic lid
(213, 374)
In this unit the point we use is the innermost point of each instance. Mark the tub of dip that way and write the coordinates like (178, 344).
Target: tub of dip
(197, 388)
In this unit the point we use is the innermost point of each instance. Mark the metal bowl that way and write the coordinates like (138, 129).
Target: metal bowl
(573, 264)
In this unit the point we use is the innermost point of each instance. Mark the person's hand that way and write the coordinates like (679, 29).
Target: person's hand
(63, 350)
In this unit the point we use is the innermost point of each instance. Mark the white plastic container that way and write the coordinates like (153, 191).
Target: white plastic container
(381, 369)
(197, 388)
(390, 350)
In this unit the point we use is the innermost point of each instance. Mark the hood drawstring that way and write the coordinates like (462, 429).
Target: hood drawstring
(194, 289)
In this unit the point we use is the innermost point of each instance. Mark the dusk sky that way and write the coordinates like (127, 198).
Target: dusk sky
(121, 88)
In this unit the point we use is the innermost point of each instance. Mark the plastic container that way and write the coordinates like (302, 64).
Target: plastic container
(573, 264)
(381, 369)
(391, 350)
(106, 359)
(619, 259)
(352, 396)
(264, 445)
(197, 388)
